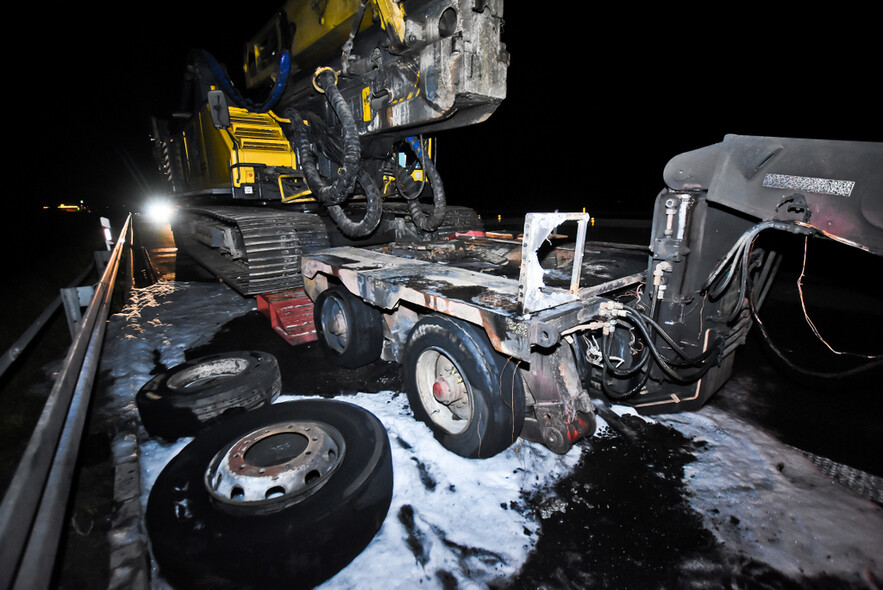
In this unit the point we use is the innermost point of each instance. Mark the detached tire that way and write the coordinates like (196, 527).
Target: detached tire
(282, 497)
(350, 331)
(182, 400)
(469, 395)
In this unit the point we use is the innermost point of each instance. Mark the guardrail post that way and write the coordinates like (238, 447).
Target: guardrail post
(74, 300)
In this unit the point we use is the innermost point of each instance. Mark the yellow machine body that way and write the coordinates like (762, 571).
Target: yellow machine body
(322, 27)
(236, 155)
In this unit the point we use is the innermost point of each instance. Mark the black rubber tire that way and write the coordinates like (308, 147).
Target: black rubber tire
(361, 341)
(493, 383)
(197, 545)
(181, 401)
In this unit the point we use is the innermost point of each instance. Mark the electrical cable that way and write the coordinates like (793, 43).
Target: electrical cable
(809, 320)
(876, 361)
(780, 354)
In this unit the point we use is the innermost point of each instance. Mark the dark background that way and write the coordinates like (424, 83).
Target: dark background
(600, 96)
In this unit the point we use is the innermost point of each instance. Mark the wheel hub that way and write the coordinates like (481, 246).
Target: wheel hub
(334, 324)
(337, 325)
(274, 467)
(443, 391)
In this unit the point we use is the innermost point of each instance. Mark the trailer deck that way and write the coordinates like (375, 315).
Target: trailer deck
(489, 281)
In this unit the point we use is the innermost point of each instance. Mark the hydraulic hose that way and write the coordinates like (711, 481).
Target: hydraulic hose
(703, 362)
(338, 191)
(423, 221)
(645, 323)
(666, 365)
(617, 371)
(333, 194)
(608, 368)
(222, 80)
(373, 211)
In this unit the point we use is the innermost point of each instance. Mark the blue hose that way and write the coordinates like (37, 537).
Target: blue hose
(415, 144)
(226, 85)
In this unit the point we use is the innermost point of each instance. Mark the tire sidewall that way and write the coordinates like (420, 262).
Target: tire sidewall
(496, 389)
(298, 546)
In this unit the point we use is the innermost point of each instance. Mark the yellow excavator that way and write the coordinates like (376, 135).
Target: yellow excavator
(337, 150)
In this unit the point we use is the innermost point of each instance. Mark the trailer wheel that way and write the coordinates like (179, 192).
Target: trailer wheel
(182, 400)
(285, 496)
(350, 331)
(469, 395)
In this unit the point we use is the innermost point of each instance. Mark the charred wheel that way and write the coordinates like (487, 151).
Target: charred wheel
(184, 399)
(285, 496)
(469, 395)
(350, 331)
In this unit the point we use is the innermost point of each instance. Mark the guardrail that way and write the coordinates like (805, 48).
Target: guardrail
(33, 509)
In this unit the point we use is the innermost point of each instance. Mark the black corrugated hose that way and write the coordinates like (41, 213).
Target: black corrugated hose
(332, 195)
(423, 221)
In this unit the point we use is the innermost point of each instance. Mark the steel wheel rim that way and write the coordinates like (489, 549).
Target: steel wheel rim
(445, 393)
(274, 467)
(334, 325)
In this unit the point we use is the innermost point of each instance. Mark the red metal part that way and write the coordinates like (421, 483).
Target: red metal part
(290, 313)
(579, 427)
(440, 391)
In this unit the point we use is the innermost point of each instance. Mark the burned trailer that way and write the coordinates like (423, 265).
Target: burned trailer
(483, 327)
(509, 338)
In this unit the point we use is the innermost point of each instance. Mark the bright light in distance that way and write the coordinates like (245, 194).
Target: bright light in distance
(159, 211)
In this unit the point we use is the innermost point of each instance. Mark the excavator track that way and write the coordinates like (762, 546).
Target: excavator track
(254, 250)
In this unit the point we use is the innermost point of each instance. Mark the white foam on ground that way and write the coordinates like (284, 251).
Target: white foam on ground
(471, 523)
(769, 502)
(469, 517)
(468, 520)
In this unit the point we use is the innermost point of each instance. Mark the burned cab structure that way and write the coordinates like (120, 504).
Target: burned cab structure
(506, 338)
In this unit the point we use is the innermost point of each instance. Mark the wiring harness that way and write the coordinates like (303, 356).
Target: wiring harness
(680, 367)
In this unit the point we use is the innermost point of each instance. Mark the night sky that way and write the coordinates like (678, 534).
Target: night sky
(598, 101)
